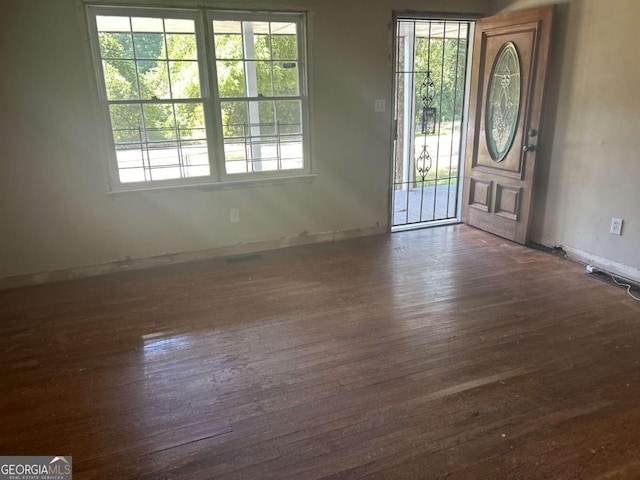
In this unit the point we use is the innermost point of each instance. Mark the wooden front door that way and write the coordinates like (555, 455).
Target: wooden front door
(507, 89)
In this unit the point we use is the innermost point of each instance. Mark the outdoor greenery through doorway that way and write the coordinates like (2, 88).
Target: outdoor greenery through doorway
(431, 59)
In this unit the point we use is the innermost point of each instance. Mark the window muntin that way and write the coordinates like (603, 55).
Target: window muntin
(154, 66)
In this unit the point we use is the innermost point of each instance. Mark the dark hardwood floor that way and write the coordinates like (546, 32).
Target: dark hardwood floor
(441, 353)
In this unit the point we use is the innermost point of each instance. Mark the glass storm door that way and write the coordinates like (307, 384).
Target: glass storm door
(507, 86)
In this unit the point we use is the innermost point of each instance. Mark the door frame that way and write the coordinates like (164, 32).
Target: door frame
(433, 16)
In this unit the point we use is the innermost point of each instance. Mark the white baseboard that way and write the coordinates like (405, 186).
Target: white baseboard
(175, 258)
(605, 264)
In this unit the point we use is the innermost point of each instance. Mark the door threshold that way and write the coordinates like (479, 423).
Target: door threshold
(431, 224)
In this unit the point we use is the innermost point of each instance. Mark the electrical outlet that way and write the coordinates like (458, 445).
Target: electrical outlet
(234, 215)
(616, 226)
(380, 105)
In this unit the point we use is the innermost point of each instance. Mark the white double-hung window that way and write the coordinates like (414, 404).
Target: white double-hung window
(197, 96)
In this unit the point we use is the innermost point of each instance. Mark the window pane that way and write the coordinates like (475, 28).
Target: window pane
(154, 80)
(224, 26)
(258, 28)
(149, 46)
(289, 114)
(160, 122)
(185, 79)
(229, 47)
(266, 118)
(190, 118)
(236, 156)
(231, 80)
(113, 24)
(195, 158)
(115, 45)
(283, 46)
(283, 28)
(182, 47)
(131, 163)
(128, 174)
(146, 24)
(126, 123)
(234, 119)
(175, 25)
(285, 79)
(265, 154)
(262, 50)
(120, 79)
(292, 153)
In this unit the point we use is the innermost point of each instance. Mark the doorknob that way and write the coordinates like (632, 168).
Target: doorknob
(529, 148)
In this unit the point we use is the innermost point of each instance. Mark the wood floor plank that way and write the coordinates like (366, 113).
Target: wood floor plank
(440, 353)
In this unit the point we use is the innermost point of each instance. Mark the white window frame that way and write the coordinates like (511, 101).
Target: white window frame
(203, 19)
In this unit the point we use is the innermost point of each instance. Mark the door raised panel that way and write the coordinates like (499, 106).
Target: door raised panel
(507, 201)
(480, 194)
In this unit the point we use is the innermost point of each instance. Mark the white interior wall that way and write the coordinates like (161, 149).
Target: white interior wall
(54, 209)
(55, 213)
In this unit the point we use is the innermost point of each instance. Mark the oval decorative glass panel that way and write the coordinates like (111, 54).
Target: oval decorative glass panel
(503, 102)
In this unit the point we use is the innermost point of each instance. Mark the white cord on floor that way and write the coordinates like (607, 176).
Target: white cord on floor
(625, 285)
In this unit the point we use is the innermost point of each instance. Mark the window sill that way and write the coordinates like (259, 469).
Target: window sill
(229, 185)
